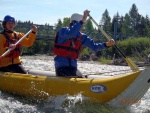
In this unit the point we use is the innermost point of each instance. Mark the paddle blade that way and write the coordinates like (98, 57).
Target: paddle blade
(132, 65)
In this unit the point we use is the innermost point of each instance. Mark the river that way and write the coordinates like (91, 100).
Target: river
(10, 103)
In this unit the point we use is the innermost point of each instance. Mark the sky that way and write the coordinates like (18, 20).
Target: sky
(49, 11)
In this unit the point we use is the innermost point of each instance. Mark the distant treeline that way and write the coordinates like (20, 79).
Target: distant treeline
(132, 26)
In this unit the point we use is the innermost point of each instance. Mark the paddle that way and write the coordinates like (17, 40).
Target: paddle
(132, 65)
(4, 54)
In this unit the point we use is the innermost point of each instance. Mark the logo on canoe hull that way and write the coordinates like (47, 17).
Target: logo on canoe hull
(98, 88)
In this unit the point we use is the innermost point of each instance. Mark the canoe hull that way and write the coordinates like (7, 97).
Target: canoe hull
(134, 92)
(96, 90)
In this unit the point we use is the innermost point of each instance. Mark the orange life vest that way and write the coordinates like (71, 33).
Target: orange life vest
(71, 49)
(17, 51)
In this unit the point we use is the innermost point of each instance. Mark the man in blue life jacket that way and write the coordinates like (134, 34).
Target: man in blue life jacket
(68, 44)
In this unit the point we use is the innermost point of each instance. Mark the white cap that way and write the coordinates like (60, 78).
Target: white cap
(76, 17)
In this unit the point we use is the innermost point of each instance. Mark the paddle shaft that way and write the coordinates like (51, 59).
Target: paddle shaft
(108, 38)
(4, 54)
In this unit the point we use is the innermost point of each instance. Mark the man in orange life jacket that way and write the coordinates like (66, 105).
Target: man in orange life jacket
(68, 44)
(12, 61)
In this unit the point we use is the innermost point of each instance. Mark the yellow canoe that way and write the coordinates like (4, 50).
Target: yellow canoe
(124, 89)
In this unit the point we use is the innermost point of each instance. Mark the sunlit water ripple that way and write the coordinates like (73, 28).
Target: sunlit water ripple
(10, 103)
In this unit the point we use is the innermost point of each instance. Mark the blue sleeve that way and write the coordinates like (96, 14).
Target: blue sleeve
(88, 42)
(66, 33)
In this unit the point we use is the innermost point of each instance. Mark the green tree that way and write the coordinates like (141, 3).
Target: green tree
(88, 25)
(147, 26)
(66, 22)
(106, 21)
(135, 18)
(117, 26)
(88, 28)
(126, 26)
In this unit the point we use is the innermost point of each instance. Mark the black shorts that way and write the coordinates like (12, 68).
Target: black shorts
(66, 71)
(15, 68)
